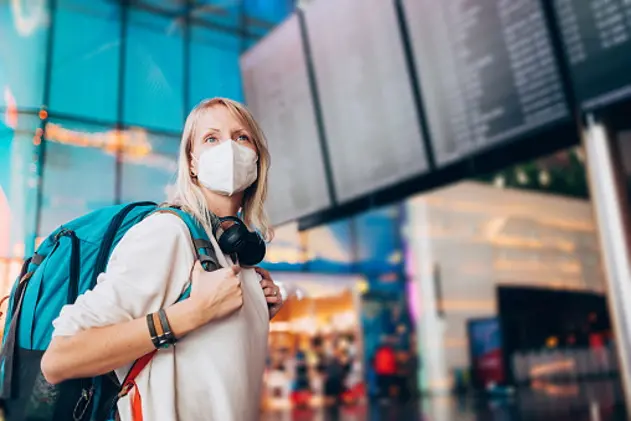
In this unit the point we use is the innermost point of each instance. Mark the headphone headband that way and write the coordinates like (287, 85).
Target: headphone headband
(230, 218)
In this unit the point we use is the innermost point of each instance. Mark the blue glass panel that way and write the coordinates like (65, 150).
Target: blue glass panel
(23, 34)
(214, 69)
(168, 5)
(379, 241)
(265, 13)
(18, 183)
(154, 72)
(79, 171)
(330, 248)
(149, 166)
(85, 68)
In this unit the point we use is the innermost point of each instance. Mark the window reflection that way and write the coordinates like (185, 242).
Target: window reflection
(23, 35)
(166, 5)
(18, 177)
(214, 69)
(79, 171)
(147, 176)
(154, 69)
(265, 13)
(85, 68)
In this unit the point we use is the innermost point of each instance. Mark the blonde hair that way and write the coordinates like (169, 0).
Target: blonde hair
(188, 193)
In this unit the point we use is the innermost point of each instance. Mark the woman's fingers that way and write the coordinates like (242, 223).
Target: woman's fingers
(265, 274)
(265, 283)
(271, 292)
(274, 299)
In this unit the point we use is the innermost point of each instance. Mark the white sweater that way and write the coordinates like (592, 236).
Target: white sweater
(214, 373)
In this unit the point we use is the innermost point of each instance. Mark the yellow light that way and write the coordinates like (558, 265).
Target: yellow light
(362, 287)
(133, 143)
(552, 342)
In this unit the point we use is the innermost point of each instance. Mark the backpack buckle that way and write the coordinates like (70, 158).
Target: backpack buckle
(80, 407)
(62, 233)
(127, 387)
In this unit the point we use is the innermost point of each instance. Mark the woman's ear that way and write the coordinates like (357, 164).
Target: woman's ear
(191, 166)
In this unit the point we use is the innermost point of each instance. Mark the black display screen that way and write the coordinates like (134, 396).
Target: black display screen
(596, 37)
(277, 91)
(487, 72)
(369, 115)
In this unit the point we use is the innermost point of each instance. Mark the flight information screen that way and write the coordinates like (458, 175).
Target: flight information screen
(278, 93)
(370, 118)
(596, 37)
(487, 71)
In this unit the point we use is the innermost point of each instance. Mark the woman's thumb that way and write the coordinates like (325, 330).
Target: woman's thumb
(236, 269)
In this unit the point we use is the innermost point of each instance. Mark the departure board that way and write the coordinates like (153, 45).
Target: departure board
(278, 93)
(487, 72)
(596, 36)
(370, 119)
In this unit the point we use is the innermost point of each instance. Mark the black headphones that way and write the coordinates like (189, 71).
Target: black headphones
(238, 240)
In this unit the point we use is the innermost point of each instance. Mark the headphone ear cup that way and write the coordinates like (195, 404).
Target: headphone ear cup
(237, 239)
(254, 251)
(233, 239)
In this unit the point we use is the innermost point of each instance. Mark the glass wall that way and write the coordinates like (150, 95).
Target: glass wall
(93, 96)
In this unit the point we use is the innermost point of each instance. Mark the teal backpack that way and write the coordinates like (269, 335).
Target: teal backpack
(66, 265)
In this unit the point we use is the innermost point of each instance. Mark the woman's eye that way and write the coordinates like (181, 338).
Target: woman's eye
(210, 139)
(243, 138)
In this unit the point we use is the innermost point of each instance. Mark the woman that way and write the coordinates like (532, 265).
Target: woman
(215, 370)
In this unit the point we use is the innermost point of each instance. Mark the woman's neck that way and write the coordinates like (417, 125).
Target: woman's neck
(222, 205)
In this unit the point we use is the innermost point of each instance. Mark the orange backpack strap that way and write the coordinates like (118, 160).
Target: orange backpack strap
(130, 387)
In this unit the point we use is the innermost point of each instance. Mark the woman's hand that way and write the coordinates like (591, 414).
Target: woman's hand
(216, 294)
(271, 291)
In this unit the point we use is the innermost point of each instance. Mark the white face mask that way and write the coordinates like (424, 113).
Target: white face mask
(227, 168)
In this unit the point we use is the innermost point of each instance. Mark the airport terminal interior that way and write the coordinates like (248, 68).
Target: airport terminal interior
(450, 185)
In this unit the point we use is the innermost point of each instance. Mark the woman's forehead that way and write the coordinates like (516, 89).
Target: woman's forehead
(220, 118)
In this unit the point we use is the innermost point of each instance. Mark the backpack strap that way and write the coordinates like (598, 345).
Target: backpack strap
(203, 247)
(205, 253)
(129, 386)
(110, 235)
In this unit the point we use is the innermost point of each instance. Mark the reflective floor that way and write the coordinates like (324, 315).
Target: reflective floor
(591, 401)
